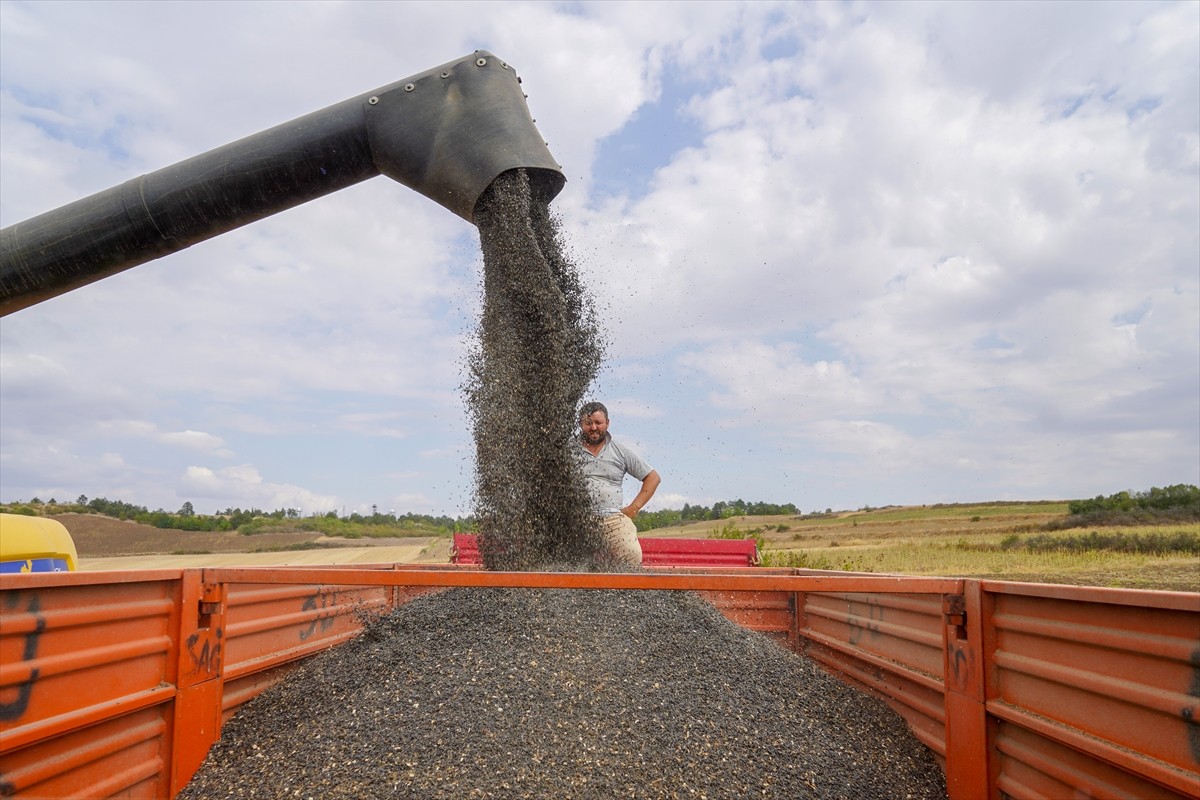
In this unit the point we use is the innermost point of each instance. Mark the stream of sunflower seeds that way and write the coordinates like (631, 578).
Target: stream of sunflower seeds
(539, 350)
(523, 693)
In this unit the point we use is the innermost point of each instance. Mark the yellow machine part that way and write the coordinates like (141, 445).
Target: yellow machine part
(35, 544)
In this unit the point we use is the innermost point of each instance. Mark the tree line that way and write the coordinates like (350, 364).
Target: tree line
(1171, 500)
(1180, 495)
(232, 519)
(722, 509)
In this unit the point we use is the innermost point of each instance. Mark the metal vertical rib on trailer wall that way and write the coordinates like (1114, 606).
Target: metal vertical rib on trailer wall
(113, 684)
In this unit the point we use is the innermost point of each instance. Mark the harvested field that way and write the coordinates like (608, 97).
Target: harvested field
(418, 552)
(105, 543)
(98, 536)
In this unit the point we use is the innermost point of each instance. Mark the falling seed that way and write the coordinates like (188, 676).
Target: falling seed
(539, 348)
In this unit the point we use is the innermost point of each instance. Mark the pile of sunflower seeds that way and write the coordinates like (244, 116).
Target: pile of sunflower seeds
(526, 693)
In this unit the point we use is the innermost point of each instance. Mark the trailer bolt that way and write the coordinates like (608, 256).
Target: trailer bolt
(445, 74)
(373, 101)
(408, 87)
(479, 62)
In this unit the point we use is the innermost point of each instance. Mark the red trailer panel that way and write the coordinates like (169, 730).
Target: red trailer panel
(656, 552)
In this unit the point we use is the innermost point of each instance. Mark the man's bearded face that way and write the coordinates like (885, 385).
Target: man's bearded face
(594, 427)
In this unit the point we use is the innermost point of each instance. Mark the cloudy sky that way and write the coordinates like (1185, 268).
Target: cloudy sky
(847, 254)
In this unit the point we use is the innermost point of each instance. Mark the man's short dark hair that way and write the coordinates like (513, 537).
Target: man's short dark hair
(591, 408)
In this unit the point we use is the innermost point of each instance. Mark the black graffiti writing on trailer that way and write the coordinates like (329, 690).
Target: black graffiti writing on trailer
(1189, 712)
(209, 657)
(871, 625)
(17, 707)
(326, 602)
(958, 662)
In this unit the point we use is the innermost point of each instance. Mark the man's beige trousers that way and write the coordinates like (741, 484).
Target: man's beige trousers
(620, 539)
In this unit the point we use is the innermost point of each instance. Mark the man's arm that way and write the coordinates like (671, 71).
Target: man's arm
(649, 487)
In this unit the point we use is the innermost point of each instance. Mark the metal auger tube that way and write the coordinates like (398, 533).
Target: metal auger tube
(446, 133)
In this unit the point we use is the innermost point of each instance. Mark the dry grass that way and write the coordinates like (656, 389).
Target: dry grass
(955, 541)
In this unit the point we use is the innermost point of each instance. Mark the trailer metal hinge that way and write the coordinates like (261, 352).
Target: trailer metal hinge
(954, 609)
(212, 603)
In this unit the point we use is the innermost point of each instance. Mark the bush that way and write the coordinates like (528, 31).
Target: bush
(730, 531)
(801, 559)
(1184, 542)
(1130, 518)
(794, 559)
(1010, 542)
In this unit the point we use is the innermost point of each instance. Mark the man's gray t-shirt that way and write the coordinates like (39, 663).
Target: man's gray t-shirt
(606, 472)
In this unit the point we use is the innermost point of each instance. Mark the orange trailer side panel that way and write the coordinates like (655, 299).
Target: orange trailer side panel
(73, 656)
(902, 628)
(887, 644)
(1117, 682)
(268, 626)
(1031, 765)
(126, 756)
(772, 614)
(116, 684)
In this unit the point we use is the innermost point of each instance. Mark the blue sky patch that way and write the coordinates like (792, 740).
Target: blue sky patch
(1143, 106)
(992, 341)
(626, 161)
(1134, 315)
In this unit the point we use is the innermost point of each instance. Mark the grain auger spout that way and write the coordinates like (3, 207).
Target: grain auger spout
(446, 133)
